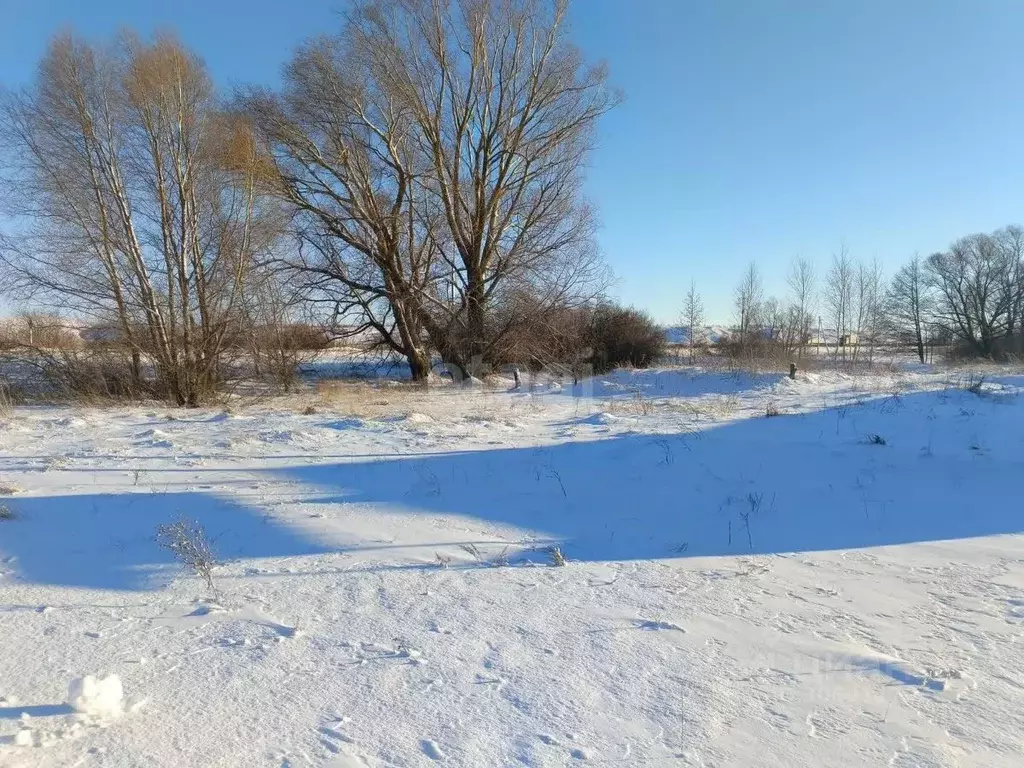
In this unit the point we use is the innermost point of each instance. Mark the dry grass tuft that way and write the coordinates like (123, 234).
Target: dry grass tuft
(366, 401)
(558, 559)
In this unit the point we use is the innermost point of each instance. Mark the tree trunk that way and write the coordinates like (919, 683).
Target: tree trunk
(419, 363)
(475, 327)
(136, 371)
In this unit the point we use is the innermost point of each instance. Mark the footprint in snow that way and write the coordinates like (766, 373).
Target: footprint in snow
(333, 733)
(345, 755)
(483, 680)
(1015, 609)
(431, 749)
(652, 626)
(347, 761)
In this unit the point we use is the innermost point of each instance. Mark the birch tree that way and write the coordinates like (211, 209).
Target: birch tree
(838, 296)
(693, 318)
(143, 204)
(802, 285)
(747, 302)
(867, 307)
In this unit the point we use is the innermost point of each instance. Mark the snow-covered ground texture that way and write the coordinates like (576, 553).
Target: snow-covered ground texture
(838, 584)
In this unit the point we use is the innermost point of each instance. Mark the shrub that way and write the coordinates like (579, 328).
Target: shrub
(624, 336)
(278, 351)
(6, 402)
(38, 331)
(92, 373)
(558, 559)
(188, 543)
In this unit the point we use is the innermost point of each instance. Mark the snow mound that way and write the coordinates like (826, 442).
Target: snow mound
(417, 418)
(155, 438)
(101, 697)
(70, 421)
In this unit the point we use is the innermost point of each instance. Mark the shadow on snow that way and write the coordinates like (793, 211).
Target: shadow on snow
(813, 481)
(803, 482)
(107, 541)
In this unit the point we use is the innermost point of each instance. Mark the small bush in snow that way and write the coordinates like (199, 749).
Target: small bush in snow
(188, 543)
(8, 489)
(644, 407)
(6, 513)
(771, 409)
(557, 558)
(502, 560)
(622, 336)
(6, 404)
(876, 439)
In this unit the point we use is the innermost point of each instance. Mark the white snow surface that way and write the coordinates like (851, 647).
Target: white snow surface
(838, 585)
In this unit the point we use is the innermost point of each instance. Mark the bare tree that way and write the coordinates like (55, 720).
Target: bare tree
(433, 153)
(693, 319)
(867, 307)
(795, 330)
(503, 109)
(279, 332)
(1011, 242)
(909, 304)
(802, 285)
(838, 297)
(976, 292)
(346, 160)
(747, 302)
(772, 325)
(145, 211)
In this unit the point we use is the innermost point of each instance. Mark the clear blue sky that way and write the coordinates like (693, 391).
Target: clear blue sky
(756, 130)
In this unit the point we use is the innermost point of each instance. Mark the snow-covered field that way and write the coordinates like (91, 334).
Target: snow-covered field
(840, 584)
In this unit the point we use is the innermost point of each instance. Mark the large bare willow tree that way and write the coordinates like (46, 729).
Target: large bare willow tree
(345, 160)
(434, 153)
(979, 289)
(141, 204)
